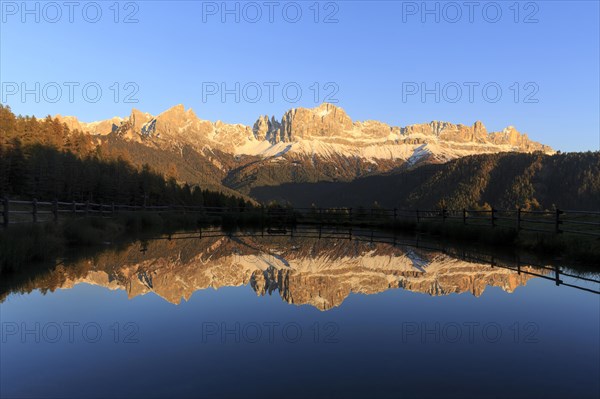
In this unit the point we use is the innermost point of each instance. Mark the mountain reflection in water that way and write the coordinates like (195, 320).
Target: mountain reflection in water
(316, 268)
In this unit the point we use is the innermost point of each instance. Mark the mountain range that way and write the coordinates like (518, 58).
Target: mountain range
(307, 146)
(322, 132)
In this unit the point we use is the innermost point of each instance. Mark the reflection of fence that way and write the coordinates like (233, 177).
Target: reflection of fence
(553, 273)
(555, 221)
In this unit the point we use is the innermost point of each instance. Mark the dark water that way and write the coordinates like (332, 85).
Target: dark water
(273, 316)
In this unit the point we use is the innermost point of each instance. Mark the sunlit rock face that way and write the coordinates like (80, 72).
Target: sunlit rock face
(103, 127)
(324, 121)
(319, 273)
(307, 135)
(175, 127)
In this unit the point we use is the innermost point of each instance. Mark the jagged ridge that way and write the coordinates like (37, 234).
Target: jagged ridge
(306, 145)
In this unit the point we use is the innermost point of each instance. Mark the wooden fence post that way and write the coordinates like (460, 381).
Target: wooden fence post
(493, 217)
(350, 215)
(34, 210)
(464, 216)
(443, 214)
(557, 221)
(55, 209)
(417, 214)
(518, 219)
(5, 211)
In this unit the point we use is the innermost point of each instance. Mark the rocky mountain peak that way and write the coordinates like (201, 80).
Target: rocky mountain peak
(266, 129)
(479, 129)
(175, 112)
(323, 121)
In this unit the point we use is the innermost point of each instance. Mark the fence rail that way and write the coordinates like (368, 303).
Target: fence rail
(555, 221)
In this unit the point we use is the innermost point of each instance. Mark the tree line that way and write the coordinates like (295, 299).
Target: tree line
(44, 159)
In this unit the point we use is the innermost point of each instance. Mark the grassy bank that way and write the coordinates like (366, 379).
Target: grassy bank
(576, 247)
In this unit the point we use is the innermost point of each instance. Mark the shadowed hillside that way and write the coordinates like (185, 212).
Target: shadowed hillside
(508, 180)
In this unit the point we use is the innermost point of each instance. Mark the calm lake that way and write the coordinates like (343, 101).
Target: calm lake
(289, 314)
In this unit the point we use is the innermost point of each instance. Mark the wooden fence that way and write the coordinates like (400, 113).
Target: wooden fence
(555, 221)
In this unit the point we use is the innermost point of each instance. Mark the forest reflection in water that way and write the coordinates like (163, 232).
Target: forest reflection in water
(320, 268)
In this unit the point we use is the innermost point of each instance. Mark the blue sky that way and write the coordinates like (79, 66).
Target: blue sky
(375, 58)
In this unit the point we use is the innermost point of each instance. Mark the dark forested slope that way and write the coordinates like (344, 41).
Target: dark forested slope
(44, 159)
(506, 180)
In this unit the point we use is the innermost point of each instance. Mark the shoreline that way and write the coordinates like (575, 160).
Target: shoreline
(21, 245)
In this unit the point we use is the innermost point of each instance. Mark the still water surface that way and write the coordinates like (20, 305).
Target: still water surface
(247, 315)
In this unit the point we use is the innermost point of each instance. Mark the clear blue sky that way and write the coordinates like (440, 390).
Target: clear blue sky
(376, 55)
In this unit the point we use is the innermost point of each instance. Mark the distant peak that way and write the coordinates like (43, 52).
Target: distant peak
(328, 107)
(136, 113)
(176, 109)
(324, 108)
